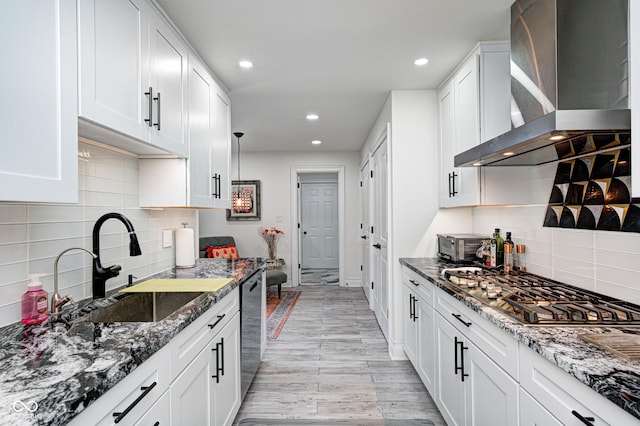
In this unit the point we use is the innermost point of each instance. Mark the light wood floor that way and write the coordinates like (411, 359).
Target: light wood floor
(331, 362)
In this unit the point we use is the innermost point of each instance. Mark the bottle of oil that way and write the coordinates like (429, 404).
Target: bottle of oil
(500, 246)
(493, 253)
(508, 253)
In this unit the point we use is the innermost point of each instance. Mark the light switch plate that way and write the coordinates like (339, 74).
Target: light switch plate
(167, 238)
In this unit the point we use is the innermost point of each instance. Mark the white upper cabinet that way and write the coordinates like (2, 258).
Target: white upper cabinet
(203, 180)
(133, 74)
(634, 72)
(38, 82)
(474, 106)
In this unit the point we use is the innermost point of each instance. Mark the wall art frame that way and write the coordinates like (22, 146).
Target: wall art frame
(250, 188)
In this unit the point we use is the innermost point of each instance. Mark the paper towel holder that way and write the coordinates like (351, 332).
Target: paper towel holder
(185, 251)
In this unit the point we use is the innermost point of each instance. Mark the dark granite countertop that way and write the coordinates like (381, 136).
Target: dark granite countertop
(64, 366)
(615, 378)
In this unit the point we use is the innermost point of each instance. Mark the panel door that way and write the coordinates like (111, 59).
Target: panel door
(379, 237)
(450, 394)
(222, 146)
(492, 394)
(159, 413)
(191, 392)
(168, 66)
(364, 230)
(446, 122)
(114, 65)
(202, 184)
(38, 152)
(534, 414)
(226, 392)
(426, 364)
(410, 326)
(319, 225)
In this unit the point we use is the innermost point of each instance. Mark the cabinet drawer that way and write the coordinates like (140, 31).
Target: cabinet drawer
(133, 396)
(159, 414)
(186, 345)
(420, 285)
(561, 394)
(498, 345)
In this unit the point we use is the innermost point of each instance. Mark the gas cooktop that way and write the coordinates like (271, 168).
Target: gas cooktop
(535, 300)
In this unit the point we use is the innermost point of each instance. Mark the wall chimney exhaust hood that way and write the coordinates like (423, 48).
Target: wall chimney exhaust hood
(569, 83)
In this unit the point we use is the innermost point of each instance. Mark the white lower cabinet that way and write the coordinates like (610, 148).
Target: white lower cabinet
(207, 392)
(472, 389)
(568, 400)
(194, 380)
(534, 414)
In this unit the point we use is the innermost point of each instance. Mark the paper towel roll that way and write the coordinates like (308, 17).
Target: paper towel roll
(185, 252)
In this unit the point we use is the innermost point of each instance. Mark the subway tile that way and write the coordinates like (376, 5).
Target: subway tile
(13, 253)
(583, 268)
(587, 283)
(92, 198)
(103, 185)
(51, 248)
(618, 259)
(13, 233)
(13, 213)
(42, 213)
(616, 290)
(10, 311)
(55, 230)
(574, 237)
(12, 273)
(618, 241)
(571, 252)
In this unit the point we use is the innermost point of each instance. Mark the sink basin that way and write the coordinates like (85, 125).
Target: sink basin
(141, 307)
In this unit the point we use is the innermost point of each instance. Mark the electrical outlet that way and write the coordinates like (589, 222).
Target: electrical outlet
(279, 219)
(167, 238)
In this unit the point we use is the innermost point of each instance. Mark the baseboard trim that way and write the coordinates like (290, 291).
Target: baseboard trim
(353, 282)
(396, 352)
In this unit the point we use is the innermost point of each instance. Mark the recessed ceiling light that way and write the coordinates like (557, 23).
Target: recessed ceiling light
(555, 138)
(316, 142)
(421, 61)
(312, 116)
(245, 64)
(507, 154)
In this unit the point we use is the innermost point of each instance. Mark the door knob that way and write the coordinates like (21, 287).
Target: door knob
(304, 232)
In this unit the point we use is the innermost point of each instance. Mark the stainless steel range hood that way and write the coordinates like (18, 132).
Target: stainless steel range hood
(569, 83)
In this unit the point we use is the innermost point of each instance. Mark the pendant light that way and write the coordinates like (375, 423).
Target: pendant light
(240, 200)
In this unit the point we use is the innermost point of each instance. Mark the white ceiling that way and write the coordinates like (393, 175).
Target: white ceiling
(336, 58)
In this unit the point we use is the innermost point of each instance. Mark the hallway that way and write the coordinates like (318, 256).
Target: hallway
(330, 362)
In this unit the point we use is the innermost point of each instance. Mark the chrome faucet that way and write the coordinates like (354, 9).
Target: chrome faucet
(100, 273)
(57, 301)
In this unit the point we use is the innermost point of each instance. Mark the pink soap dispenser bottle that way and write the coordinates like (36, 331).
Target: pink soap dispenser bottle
(35, 305)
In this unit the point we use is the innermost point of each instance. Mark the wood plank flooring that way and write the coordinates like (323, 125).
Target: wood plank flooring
(331, 362)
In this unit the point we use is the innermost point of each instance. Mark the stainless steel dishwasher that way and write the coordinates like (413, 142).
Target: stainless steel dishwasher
(250, 328)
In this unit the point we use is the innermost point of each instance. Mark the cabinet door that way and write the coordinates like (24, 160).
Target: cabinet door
(168, 66)
(426, 344)
(492, 395)
(534, 414)
(202, 185)
(159, 414)
(467, 130)
(450, 394)
(447, 125)
(191, 392)
(226, 391)
(38, 153)
(409, 303)
(221, 158)
(114, 65)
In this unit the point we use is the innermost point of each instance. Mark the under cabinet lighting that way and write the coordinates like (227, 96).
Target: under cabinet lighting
(555, 138)
(312, 116)
(508, 154)
(316, 142)
(477, 163)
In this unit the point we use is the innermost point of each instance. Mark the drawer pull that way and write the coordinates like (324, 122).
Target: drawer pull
(253, 286)
(414, 283)
(459, 318)
(156, 424)
(586, 420)
(220, 317)
(145, 391)
(460, 367)
(150, 95)
(157, 99)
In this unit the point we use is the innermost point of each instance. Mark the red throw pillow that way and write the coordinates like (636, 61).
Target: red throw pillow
(227, 251)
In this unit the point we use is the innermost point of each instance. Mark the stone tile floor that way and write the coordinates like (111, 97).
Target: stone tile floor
(331, 363)
(310, 276)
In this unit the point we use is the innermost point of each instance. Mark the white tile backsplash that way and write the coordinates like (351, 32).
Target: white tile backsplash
(32, 235)
(607, 262)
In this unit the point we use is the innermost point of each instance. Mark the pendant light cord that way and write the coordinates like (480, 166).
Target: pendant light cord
(238, 163)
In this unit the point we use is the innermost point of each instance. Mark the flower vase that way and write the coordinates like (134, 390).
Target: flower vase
(272, 251)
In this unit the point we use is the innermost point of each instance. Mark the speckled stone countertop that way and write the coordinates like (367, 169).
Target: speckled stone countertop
(64, 366)
(615, 378)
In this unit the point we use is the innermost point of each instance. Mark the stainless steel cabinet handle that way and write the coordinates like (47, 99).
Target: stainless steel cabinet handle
(215, 185)
(150, 96)
(145, 391)
(157, 99)
(453, 182)
(586, 420)
(415, 317)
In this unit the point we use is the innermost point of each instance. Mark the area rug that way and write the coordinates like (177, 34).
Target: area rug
(278, 311)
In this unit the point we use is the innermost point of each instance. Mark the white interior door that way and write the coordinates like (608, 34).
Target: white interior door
(364, 230)
(319, 224)
(379, 231)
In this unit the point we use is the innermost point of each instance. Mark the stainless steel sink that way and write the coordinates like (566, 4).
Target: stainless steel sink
(141, 307)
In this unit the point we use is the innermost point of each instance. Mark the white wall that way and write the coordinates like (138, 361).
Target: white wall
(603, 261)
(32, 235)
(273, 170)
